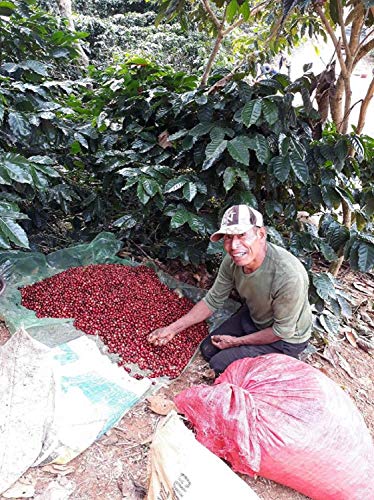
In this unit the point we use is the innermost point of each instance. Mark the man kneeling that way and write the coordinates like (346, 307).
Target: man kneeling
(276, 316)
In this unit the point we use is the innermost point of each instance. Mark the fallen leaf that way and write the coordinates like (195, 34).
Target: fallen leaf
(361, 287)
(345, 365)
(62, 470)
(351, 337)
(330, 355)
(160, 405)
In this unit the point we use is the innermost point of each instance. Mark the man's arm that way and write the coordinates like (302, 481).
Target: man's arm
(261, 337)
(198, 313)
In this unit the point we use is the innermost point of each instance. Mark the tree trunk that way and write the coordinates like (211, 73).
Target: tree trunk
(211, 59)
(66, 11)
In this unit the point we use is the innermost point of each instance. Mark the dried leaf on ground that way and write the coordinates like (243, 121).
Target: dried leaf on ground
(61, 470)
(361, 287)
(345, 365)
(351, 336)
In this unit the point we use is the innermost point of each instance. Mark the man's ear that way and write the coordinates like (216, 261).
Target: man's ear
(261, 232)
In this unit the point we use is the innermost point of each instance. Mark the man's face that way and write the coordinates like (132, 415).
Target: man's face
(243, 248)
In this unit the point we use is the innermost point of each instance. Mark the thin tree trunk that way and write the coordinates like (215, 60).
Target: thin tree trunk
(66, 11)
(211, 59)
(364, 108)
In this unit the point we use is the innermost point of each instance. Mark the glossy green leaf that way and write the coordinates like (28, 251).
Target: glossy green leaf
(179, 218)
(19, 125)
(215, 148)
(150, 186)
(238, 151)
(174, 184)
(201, 129)
(231, 10)
(229, 178)
(270, 111)
(189, 191)
(142, 195)
(262, 148)
(324, 285)
(251, 112)
(13, 232)
(365, 257)
(281, 167)
(125, 222)
(299, 168)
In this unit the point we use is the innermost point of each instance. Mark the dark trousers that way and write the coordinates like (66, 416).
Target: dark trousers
(238, 325)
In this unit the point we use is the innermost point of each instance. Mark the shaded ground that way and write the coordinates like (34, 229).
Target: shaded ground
(116, 467)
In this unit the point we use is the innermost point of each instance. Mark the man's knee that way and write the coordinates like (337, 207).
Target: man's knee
(207, 349)
(219, 362)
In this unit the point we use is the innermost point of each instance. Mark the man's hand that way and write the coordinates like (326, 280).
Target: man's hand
(224, 341)
(161, 336)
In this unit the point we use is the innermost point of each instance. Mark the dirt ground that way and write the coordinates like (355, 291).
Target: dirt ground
(116, 466)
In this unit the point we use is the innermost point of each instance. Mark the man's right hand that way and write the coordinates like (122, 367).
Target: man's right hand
(161, 336)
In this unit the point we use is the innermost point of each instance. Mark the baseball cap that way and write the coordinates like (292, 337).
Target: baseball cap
(237, 220)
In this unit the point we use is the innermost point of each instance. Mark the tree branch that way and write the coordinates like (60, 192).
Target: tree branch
(342, 29)
(335, 41)
(364, 107)
(211, 14)
(363, 50)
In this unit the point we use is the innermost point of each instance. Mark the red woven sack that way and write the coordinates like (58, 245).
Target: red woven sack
(282, 419)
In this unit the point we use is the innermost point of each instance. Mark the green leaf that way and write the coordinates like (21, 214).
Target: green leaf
(238, 151)
(125, 222)
(179, 218)
(201, 129)
(178, 135)
(229, 178)
(18, 125)
(215, 148)
(231, 10)
(262, 148)
(251, 112)
(189, 191)
(142, 195)
(13, 232)
(150, 186)
(270, 111)
(334, 11)
(324, 285)
(217, 133)
(281, 167)
(7, 8)
(174, 184)
(365, 257)
(35, 66)
(326, 250)
(300, 168)
(275, 236)
(17, 168)
(197, 224)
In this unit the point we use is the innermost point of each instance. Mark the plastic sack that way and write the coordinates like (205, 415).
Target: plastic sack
(183, 468)
(54, 403)
(282, 419)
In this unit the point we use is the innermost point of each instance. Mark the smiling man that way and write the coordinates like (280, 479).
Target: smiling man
(276, 315)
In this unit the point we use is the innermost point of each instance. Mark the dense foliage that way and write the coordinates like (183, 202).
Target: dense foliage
(140, 149)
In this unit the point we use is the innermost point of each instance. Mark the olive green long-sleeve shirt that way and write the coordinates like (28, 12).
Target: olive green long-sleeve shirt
(276, 293)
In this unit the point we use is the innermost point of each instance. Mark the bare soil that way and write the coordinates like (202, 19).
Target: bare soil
(116, 466)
